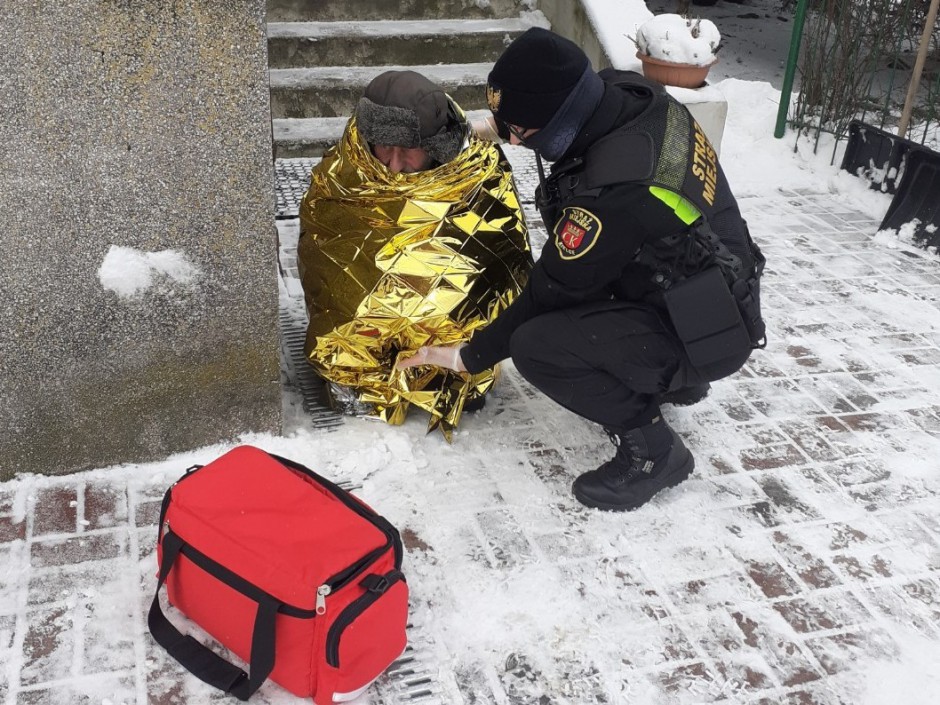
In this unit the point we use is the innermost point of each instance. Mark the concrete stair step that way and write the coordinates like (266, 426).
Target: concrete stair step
(299, 44)
(333, 10)
(305, 137)
(310, 137)
(334, 91)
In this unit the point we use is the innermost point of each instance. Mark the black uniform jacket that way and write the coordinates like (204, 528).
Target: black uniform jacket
(590, 249)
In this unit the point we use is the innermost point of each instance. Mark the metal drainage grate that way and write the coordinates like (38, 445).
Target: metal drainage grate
(301, 376)
(292, 177)
(413, 678)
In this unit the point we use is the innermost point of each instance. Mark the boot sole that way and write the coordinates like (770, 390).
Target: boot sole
(671, 480)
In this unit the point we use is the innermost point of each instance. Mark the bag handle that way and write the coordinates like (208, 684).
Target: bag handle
(200, 660)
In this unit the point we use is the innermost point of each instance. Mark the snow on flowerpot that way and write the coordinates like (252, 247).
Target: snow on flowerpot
(677, 51)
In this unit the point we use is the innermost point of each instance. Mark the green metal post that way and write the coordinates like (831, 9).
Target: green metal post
(795, 40)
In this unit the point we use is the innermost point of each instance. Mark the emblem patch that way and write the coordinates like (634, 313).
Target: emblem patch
(493, 97)
(576, 232)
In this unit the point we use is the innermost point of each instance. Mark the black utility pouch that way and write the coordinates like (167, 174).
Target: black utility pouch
(706, 318)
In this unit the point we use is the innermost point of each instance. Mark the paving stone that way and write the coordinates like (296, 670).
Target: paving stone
(929, 519)
(787, 501)
(734, 490)
(912, 605)
(864, 569)
(474, 685)
(105, 506)
(54, 586)
(738, 409)
(103, 650)
(741, 666)
(7, 499)
(507, 543)
(657, 647)
(12, 529)
(840, 652)
(833, 396)
(146, 545)
(568, 681)
(822, 695)
(837, 536)
(522, 682)
(563, 545)
(763, 366)
(812, 436)
(47, 646)
(77, 549)
(549, 465)
(147, 513)
(633, 600)
(780, 399)
(923, 356)
(926, 419)
(7, 629)
(823, 611)
(55, 511)
(412, 541)
(877, 495)
(89, 690)
(691, 683)
(10, 577)
(809, 566)
(764, 513)
(772, 579)
(858, 471)
(790, 663)
(713, 591)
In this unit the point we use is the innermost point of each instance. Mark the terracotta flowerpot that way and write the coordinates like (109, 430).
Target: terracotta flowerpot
(672, 74)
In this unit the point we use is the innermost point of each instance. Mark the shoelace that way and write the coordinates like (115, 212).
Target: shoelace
(626, 456)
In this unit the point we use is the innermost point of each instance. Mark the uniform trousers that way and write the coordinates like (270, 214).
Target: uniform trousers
(607, 361)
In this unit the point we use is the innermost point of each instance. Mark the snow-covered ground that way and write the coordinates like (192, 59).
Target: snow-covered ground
(799, 565)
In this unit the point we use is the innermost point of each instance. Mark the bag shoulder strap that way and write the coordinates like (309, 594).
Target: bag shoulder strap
(199, 660)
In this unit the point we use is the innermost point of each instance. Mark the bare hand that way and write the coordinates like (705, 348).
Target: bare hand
(440, 355)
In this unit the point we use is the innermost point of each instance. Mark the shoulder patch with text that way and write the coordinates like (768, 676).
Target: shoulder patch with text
(576, 232)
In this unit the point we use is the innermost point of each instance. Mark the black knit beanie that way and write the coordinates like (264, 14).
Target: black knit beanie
(532, 78)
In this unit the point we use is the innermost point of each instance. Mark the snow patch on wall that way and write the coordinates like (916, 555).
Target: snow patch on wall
(129, 272)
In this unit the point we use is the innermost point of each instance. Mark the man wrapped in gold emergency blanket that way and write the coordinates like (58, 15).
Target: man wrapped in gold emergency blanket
(391, 261)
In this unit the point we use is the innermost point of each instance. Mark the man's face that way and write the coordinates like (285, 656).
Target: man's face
(518, 134)
(402, 160)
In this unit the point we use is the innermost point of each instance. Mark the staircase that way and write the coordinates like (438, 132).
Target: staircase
(323, 53)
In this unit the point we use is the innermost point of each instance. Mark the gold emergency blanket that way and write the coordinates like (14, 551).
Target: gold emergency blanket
(390, 262)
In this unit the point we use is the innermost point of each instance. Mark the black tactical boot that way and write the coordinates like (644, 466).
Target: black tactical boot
(648, 460)
(474, 404)
(686, 396)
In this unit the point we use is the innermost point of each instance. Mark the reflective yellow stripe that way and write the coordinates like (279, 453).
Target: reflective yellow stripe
(683, 208)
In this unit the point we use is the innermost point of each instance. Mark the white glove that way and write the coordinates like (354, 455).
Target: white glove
(440, 355)
(484, 127)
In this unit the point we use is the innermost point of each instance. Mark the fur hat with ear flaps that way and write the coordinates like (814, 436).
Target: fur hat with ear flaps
(405, 109)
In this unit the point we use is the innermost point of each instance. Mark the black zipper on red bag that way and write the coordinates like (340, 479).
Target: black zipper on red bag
(237, 582)
(249, 589)
(375, 586)
(381, 523)
(165, 504)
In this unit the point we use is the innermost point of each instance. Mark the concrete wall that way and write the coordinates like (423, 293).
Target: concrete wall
(569, 18)
(142, 124)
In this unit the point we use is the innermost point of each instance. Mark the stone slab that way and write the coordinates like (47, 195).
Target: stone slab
(141, 125)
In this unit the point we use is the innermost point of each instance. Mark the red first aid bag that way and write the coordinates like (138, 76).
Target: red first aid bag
(297, 577)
